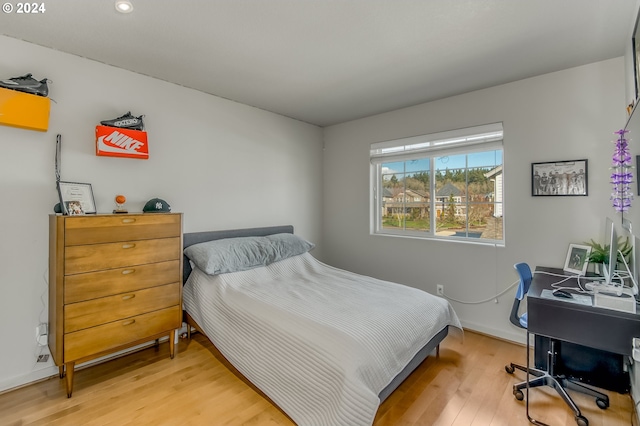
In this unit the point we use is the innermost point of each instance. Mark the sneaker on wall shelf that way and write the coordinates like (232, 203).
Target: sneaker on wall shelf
(126, 121)
(27, 84)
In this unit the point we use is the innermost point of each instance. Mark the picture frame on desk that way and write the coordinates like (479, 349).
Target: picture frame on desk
(577, 259)
(559, 178)
(76, 198)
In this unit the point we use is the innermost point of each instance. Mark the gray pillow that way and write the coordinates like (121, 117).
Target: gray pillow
(231, 254)
(288, 245)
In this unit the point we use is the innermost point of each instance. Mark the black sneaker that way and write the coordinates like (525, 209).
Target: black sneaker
(126, 121)
(26, 84)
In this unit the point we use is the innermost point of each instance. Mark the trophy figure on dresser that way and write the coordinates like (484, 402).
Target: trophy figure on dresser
(120, 200)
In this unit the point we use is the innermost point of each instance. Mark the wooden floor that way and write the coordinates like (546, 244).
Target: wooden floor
(466, 385)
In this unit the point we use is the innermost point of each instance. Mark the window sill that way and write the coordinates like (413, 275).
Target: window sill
(416, 236)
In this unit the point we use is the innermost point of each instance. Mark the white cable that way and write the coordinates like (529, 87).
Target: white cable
(43, 294)
(555, 285)
(579, 289)
(628, 273)
(491, 299)
(41, 348)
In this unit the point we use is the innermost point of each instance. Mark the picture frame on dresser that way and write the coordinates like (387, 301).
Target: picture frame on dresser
(76, 198)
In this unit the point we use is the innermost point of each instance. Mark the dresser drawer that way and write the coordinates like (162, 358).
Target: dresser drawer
(81, 315)
(90, 341)
(92, 285)
(107, 229)
(97, 257)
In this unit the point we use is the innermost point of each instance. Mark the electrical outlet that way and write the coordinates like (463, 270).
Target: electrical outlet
(43, 358)
(440, 290)
(41, 329)
(41, 334)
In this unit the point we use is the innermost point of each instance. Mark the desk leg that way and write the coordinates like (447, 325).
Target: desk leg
(531, 419)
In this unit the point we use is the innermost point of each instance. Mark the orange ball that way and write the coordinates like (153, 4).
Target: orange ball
(121, 199)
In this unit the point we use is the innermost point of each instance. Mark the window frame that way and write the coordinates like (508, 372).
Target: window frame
(431, 146)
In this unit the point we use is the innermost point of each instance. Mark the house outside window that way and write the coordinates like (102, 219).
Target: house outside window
(447, 185)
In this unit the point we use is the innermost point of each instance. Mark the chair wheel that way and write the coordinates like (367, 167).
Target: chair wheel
(518, 394)
(582, 421)
(509, 369)
(603, 404)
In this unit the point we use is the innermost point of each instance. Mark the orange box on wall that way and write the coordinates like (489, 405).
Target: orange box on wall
(117, 142)
(24, 110)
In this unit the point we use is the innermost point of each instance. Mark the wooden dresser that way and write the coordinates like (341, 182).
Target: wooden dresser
(115, 281)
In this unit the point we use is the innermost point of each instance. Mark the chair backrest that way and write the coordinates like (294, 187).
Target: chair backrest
(523, 288)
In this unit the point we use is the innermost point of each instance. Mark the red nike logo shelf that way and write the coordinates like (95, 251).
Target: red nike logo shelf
(119, 142)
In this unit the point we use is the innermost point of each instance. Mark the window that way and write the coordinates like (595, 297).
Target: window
(447, 185)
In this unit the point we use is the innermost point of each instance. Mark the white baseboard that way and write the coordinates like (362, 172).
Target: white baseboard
(26, 379)
(517, 336)
(51, 370)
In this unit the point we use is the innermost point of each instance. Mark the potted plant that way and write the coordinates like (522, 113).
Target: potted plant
(600, 253)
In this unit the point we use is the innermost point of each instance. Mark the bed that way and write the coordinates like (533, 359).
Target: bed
(325, 345)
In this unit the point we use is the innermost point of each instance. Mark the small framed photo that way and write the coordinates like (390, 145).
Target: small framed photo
(76, 198)
(577, 259)
(559, 178)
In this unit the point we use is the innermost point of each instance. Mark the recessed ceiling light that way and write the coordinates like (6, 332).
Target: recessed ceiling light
(124, 6)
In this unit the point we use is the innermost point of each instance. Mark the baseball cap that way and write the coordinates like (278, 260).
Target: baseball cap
(156, 205)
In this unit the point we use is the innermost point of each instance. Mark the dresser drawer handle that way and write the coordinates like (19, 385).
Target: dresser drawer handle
(128, 220)
(128, 296)
(128, 271)
(128, 322)
(128, 246)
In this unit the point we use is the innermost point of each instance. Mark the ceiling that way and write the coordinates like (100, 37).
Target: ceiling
(329, 61)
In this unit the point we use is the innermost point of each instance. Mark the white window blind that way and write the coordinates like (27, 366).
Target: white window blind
(469, 139)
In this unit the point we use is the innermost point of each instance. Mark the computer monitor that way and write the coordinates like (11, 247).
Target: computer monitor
(635, 260)
(611, 238)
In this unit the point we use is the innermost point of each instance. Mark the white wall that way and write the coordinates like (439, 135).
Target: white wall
(565, 115)
(221, 163)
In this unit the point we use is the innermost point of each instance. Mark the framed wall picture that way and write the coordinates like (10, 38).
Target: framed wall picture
(577, 259)
(638, 165)
(635, 45)
(559, 178)
(76, 198)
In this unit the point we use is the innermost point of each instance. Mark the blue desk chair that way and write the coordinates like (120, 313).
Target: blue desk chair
(549, 377)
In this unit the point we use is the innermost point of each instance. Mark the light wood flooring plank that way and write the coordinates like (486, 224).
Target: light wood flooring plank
(465, 386)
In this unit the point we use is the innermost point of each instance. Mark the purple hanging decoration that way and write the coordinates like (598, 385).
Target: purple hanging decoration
(622, 176)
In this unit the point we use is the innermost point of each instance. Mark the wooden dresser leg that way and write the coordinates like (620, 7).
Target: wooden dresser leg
(188, 330)
(438, 351)
(172, 343)
(61, 370)
(70, 366)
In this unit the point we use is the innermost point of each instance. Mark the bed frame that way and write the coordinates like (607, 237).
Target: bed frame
(200, 237)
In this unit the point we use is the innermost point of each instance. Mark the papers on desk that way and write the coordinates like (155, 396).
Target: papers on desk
(580, 299)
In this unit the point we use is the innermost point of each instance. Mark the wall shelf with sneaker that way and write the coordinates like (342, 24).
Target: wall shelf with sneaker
(122, 137)
(24, 110)
(24, 102)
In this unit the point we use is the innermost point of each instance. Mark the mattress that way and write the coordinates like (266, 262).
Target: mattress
(321, 342)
